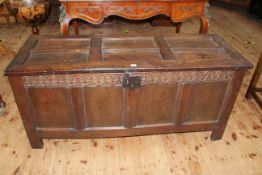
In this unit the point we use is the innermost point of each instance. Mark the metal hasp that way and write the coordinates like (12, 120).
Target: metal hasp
(130, 82)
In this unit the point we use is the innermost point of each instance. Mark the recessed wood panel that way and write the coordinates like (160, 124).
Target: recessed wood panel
(150, 55)
(197, 54)
(128, 43)
(59, 51)
(104, 106)
(63, 44)
(130, 49)
(176, 42)
(52, 107)
(48, 58)
(156, 104)
(205, 101)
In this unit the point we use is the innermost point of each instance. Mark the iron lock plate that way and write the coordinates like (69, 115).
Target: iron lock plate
(131, 82)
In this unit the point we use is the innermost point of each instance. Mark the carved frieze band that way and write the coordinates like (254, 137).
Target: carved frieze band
(116, 79)
(74, 80)
(184, 77)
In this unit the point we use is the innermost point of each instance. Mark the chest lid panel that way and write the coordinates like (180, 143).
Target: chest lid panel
(101, 53)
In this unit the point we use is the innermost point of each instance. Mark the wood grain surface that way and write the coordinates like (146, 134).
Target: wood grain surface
(238, 153)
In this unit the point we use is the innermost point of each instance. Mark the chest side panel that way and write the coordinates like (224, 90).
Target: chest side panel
(51, 107)
(104, 106)
(205, 102)
(155, 104)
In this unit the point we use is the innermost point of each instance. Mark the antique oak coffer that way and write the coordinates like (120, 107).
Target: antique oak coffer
(112, 86)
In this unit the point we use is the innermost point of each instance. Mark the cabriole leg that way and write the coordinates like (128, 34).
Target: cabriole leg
(204, 24)
(76, 27)
(65, 27)
(178, 27)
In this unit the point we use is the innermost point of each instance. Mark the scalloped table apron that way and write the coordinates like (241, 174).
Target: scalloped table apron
(95, 12)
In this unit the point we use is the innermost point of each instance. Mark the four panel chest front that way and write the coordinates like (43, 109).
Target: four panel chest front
(112, 86)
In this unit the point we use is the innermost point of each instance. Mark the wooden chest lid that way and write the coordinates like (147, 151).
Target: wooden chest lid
(98, 53)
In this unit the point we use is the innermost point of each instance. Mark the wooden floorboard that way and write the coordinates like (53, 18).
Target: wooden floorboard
(239, 152)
